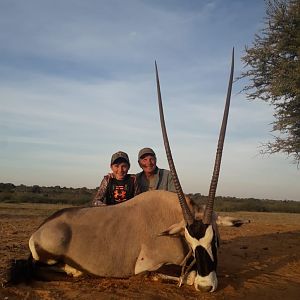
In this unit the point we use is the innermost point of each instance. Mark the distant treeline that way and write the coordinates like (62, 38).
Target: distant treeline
(249, 204)
(11, 193)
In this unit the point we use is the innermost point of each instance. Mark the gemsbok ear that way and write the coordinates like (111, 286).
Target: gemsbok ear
(175, 229)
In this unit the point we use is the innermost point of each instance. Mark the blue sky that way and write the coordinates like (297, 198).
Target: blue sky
(77, 84)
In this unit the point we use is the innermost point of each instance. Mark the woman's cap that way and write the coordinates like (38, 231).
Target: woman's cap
(145, 151)
(119, 155)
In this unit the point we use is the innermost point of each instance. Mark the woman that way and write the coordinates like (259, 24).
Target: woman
(118, 186)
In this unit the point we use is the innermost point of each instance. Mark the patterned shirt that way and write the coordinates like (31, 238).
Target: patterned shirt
(113, 191)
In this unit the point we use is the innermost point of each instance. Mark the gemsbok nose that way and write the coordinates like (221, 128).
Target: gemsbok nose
(205, 289)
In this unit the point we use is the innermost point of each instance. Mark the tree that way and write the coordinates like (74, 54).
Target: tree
(36, 189)
(273, 69)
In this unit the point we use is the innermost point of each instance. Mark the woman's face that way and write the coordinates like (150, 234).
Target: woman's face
(120, 170)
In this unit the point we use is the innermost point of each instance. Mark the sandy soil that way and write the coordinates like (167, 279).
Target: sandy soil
(260, 260)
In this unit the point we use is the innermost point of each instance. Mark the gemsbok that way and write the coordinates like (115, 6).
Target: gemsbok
(152, 229)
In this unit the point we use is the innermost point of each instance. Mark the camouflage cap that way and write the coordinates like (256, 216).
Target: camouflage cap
(119, 155)
(144, 151)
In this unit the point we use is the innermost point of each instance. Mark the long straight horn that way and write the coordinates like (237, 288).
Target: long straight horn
(215, 176)
(185, 209)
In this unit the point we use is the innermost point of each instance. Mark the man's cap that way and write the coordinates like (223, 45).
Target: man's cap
(119, 155)
(145, 151)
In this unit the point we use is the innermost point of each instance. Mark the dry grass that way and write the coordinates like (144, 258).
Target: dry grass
(260, 260)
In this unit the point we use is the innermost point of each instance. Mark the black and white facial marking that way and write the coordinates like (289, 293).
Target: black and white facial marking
(203, 240)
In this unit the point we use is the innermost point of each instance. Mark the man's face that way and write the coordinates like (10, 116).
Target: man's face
(148, 163)
(120, 170)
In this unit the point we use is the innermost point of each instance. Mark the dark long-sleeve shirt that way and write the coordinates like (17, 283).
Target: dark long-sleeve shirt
(112, 191)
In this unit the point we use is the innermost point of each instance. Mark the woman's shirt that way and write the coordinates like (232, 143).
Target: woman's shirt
(113, 191)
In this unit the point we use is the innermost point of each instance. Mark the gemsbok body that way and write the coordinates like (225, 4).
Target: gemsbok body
(142, 234)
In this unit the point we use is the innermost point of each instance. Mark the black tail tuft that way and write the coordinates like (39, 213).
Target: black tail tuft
(20, 271)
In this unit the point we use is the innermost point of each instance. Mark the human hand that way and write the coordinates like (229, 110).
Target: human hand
(99, 203)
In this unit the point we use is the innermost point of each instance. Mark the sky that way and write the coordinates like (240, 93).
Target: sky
(77, 83)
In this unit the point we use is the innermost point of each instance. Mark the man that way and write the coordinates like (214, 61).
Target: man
(152, 178)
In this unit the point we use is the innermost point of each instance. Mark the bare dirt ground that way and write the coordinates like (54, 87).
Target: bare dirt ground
(260, 260)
